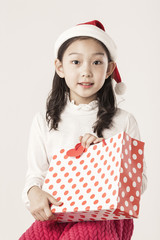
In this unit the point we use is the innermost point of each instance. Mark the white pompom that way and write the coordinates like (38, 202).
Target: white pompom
(120, 88)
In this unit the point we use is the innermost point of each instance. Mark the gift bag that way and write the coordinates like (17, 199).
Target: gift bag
(101, 182)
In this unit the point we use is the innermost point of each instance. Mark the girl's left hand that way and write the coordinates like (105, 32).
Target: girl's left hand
(89, 139)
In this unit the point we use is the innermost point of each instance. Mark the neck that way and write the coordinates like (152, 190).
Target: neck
(83, 100)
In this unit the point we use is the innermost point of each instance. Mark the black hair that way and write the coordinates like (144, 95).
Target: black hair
(57, 99)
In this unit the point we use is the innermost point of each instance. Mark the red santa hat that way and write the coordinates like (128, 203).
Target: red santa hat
(94, 29)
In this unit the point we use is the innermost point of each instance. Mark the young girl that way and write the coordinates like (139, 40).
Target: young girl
(80, 108)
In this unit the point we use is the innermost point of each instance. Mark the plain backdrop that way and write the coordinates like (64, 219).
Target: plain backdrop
(28, 30)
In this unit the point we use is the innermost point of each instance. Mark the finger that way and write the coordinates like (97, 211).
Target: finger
(43, 215)
(39, 217)
(53, 200)
(88, 141)
(34, 215)
(80, 138)
(98, 140)
(48, 212)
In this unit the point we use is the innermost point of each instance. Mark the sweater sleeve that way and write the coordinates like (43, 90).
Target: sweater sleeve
(133, 130)
(36, 157)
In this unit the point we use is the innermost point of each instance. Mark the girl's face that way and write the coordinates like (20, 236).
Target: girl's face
(84, 61)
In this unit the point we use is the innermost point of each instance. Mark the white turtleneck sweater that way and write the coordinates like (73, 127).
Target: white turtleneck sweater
(76, 120)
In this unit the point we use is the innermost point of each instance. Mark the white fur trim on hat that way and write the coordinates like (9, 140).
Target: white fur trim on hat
(90, 31)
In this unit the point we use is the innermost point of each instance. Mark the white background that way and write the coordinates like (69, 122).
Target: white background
(28, 30)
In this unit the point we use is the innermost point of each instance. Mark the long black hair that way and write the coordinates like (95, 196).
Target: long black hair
(57, 99)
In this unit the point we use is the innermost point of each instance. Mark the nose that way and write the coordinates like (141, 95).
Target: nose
(86, 71)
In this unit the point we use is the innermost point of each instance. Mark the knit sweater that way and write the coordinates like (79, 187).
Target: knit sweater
(76, 120)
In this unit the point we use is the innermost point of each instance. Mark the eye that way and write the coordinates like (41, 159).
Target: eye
(97, 62)
(75, 62)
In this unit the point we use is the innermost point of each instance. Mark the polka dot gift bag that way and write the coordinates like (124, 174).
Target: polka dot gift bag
(99, 183)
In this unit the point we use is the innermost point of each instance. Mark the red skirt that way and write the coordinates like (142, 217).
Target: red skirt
(87, 230)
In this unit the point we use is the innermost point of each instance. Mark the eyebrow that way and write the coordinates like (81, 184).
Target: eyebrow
(98, 53)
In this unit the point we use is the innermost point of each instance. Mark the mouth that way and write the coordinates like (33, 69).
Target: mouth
(86, 85)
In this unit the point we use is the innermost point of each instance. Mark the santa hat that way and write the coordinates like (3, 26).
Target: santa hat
(94, 29)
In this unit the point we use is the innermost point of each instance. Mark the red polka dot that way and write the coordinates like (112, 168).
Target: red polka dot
(62, 151)
(110, 186)
(58, 180)
(50, 187)
(74, 168)
(81, 179)
(103, 175)
(109, 166)
(107, 149)
(106, 181)
(112, 172)
(92, 160)
(74, 185)
(110, 153)
(70, 180)
(58, 163)
(95, 165)
(77, 191)
(96, 201)
(85, 185)
(101, 158)
(70, 162)
(114, 192)
(117, 163)
(69, 198)
(55, 156)
(94, 147)
(62, 168)
(62, 186)
(75, 209)
(85, 167)
(96, 183)
(72, 203)
(88, 190)
(115, 144)
(105, 162)
(92, 178)
(66, 174)
(99, 189)
(89, 172)
(119, 136)
(118, 149)
(98, 152)
(104, 195)
(47, 181)
(51, 169)
(92, 196)
(82, 161)
(112, 206)
(108, 200)
(115, 178)
(81, 197)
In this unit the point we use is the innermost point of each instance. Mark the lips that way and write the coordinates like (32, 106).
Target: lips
(86, 83)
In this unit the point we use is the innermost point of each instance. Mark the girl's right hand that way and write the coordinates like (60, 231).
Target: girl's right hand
(40, 204)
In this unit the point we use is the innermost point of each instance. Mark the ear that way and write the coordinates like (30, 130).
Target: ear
(59, 68)
(111, 67)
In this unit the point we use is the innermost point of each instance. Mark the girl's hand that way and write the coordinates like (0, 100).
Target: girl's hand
(89, 139)
(40, 204)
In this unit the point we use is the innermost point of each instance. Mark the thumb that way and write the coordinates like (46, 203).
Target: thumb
(53, 200)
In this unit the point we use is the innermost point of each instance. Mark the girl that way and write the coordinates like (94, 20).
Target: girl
(81, 107)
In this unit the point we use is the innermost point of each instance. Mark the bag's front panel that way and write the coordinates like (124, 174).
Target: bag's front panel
(88, 183)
